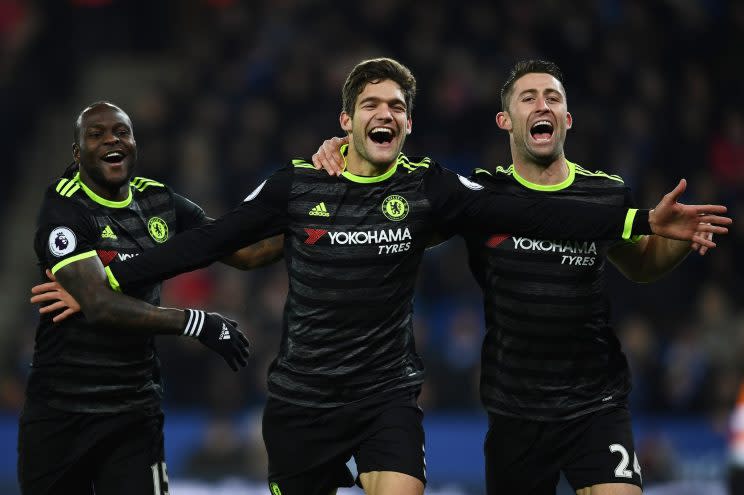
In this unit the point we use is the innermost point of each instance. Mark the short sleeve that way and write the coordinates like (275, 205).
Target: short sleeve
(66, 233)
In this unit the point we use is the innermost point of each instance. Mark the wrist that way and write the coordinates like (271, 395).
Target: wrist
(193, 322)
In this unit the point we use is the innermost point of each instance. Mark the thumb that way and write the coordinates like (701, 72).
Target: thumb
(50, 275)
(677, 191)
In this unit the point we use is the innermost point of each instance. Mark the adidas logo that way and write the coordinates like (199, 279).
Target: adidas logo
(225, 335)
(319, 211)
(107, 233)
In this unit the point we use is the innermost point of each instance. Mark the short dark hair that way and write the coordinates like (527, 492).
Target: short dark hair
(92, 106)
(533, 66)
(374, 71)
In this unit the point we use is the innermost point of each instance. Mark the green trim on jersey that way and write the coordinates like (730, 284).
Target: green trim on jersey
(142, 183)
(73, 259)
(629, 223)
(112, 280)
(299, 163)
(67, 187)
(101, 201)
(413, 166)
(367, 180)
(598, 173)
(552, 187)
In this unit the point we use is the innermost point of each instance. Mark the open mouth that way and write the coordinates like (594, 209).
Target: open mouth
(113, 157)
(542, 130)
(381, 135)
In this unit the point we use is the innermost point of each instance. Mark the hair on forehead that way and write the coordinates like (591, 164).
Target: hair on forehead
(93, 106)
(374, 71)
(523, 67)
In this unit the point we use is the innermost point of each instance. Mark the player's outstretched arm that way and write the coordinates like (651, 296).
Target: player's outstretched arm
(87, 284)
(262, 253)
(328, 157)
(676, 220)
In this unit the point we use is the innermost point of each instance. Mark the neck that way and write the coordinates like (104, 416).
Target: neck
(358, 165)
(538, 173)
(111, 193)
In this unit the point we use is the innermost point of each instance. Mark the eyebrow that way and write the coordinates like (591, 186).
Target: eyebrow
(376, 99)
(534, 91)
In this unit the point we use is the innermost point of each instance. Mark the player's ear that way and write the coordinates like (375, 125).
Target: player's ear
(345, 121)
(569, 120)
(409, 125)
(503, 120)
(76, 152)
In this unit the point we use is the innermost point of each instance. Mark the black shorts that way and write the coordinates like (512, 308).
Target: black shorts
(308, 447)
(62, 452)
(527, 457)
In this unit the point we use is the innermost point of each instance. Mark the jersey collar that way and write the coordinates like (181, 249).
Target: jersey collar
(553, 187)
(102, 201)
(368, 180)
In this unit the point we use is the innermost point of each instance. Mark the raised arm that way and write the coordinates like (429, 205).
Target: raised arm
(460, 204)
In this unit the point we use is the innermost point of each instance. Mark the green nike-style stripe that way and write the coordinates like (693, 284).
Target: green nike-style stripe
(301, 164)
(112, 280)
(72, 259)
(628, 227)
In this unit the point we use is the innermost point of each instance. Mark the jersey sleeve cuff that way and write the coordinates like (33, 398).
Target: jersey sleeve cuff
(112, 280)
(73, 259)
(636, 224)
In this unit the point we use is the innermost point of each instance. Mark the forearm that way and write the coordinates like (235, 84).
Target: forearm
(86, 282)
(560, 219)
(661, 256)
(650, 259)
(123, 313)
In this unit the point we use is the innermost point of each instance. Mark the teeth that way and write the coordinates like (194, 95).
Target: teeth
(382, 129)
(113, 154)
(542, 122)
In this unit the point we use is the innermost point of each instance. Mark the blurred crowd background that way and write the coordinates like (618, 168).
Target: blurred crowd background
(221, 92)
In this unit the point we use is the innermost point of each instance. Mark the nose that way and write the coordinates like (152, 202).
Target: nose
(385, 113)
(542, 104)
(111, 137)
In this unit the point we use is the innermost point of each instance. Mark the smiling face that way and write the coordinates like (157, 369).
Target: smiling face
(105, 147)
(537, 118)
(380, 123)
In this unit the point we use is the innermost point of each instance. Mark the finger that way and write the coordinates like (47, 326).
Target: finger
(232, 322)
(243, 339)
(63, 315)
(53, 307)
(45, 287)
(45, 297)
(695, 247)
(704, 249)
(711, 228)
(50, 275)
(230, 363)
(703, 241)
(241, 359)
(677, 191)
(315, 161)
(710, 209)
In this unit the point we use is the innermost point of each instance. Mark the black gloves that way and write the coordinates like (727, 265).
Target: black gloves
(219, 334)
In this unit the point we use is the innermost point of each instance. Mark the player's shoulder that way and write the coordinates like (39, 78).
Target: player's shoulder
(496, 175)
(143, 187)
(598, 177)
(416, 164)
